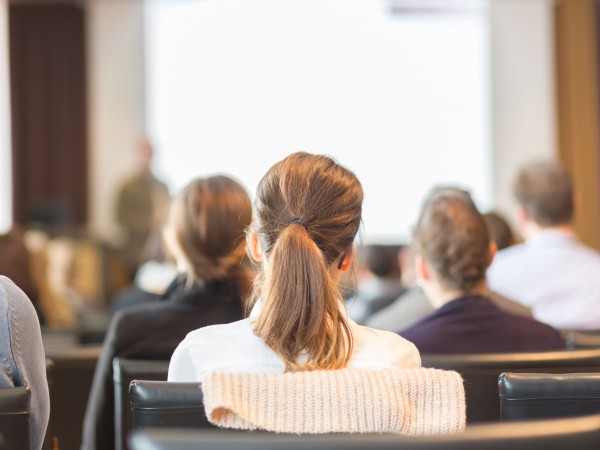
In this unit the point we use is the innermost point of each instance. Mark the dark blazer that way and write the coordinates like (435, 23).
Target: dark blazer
(152, 331)
(476, 325)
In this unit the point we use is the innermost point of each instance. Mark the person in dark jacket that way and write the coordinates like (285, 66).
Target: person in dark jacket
(205, 236)
(452, 253)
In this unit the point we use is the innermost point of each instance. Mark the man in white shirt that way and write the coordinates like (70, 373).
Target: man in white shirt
(552, 272)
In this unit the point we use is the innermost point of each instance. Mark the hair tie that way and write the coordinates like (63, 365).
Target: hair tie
(299, 221)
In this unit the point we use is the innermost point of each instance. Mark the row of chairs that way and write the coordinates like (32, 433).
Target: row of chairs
(71, 372)
(480, 373)
(523, 396)
(558, 434)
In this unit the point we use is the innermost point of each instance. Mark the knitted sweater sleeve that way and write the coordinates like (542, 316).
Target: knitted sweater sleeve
(22, 355)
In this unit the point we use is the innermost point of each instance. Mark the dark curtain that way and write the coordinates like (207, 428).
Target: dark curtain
(48, 100)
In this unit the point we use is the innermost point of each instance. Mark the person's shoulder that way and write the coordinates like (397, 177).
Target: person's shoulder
(591, 255)
(534, 328)
(510, 253)
(11, 295)
(230, 330)
(6, 285)
(140, 311)
(404, 353)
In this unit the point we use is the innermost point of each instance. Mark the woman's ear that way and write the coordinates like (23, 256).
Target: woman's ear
(348, 259)
(254, 246)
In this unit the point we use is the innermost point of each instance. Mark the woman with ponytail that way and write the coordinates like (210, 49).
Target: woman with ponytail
(204, 235)
(306, 215)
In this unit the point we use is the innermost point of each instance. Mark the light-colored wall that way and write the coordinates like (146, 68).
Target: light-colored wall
(116, 103)
(523, 91)
(523, 96)
(5, 139)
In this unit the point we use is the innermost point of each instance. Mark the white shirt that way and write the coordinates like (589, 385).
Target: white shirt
(555, 275)
(234, 347)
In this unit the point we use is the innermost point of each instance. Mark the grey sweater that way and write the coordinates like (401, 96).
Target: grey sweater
(22, 358)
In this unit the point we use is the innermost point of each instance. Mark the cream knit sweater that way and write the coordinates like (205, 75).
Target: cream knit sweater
(406, 401)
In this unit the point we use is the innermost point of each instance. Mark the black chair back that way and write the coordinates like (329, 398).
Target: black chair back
(481, 372)
(72, 373)
(582, 339)
(543, 396)
(124, 372)
(14, 418)
(159, 404)
(581, 434)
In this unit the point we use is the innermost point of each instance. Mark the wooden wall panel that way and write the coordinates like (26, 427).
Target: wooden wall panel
(577, 79)
(48, 102)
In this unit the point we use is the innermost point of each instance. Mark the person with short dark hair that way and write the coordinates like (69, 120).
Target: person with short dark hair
(500, 231)
(381, 286)
(452, 253)
(552, 272)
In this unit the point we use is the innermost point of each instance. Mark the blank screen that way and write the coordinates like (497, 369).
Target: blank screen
(401, 98)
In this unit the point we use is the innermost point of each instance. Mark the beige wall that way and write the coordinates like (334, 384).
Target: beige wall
(523, 91)
(523, 95)
(116, 103)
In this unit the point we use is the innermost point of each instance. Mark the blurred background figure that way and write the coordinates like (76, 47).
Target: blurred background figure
(15, 263)
(151, 279)
(499, 229)
(410, 307)
(205, 236)
(141, 205)
(453, 250)
(552, 272)
(380, 286)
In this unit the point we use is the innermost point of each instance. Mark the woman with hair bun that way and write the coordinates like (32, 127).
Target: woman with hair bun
(306, 215)
(205, 236)
(452, 253)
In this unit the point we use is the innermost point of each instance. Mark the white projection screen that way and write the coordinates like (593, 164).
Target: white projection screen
(400, 97)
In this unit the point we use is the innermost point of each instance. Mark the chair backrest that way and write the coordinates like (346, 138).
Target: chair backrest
(124, 372)
(72, 374)
(481, 372)
(582, 339)
(581, 434)
(159, 404)
(14, 418)
(544, 396)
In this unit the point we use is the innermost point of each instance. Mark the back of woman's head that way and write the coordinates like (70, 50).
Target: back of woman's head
(453, 238)
(306, 215)
(205, 229)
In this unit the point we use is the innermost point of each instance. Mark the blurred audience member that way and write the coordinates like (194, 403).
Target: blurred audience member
(51, 275)
(552, 272)
(500, 231)
(413, 305)
(452, 252)
(15, 263)
(141, 203)
(205, 236)
(151, 280)
(22, 356)
(381, 288)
